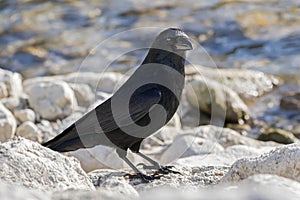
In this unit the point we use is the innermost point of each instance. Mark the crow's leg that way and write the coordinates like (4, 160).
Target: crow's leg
(156, 165)
(122, 154)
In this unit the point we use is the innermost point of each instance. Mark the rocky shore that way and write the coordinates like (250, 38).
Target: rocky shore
(236, 132)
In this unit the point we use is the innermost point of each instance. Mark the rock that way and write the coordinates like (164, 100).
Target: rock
(3, 91)
(114, 182)
(8, 124)
(278, 135)
(30, 131)
(247, 83)
(94, 195)
(218, 100)
(190, 178)
(25, 115)
(17, 192)
(12, 81)
(226, 137)
(277, 183)
(84, 95)
(11, 103)
(100, 157)
(52, 100)
(282, 161)
(291, 101)
(27, 163)
(105, 82)
(222, 158)
(186, 145)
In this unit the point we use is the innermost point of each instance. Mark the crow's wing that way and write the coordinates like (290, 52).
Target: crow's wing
(102, 120)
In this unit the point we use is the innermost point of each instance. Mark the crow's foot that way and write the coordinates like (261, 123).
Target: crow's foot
(166, 170)
(145, 178)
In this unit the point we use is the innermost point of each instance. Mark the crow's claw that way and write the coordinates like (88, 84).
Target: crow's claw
(145, 178)
(167, 170)
(147, 166)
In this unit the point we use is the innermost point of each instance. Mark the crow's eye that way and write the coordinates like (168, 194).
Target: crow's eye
(168, 39)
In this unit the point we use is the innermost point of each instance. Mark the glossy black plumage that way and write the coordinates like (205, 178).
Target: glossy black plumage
(156, 84)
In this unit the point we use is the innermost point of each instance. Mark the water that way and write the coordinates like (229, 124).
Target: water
(39, 38)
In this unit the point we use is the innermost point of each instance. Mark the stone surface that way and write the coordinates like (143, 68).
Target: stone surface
(27, 163)
(100, 157)
(25, 115)
(30, 131)
(222, 158)
(283, 161)
(83, 93)
(52, 100)
(8, 124)
(291, 101)
(226, 137)
(3, 90)
(186, 145)
(247, 83)
(12, 81)
(17, 192)
(278, 135)
(190, 178)
(216, 99)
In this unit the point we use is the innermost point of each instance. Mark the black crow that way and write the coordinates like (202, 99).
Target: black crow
(141, 106)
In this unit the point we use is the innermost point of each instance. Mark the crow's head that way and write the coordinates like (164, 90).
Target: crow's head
(174, 40)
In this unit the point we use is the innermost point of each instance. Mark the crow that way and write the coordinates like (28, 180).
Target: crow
(141, 106)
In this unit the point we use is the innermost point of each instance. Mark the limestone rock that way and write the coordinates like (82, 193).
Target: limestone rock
(83, 93)
(247, 83)
(8, 124)
(30, 131)
(51, 100)
(25, 115)
(278, 135)
(218, 100)
(186, 145)
(12, 81)
(3, 90)
(222, 158)
(27, 163)
(17, 192)
(227, 137)
(283, 161)
(100, 157)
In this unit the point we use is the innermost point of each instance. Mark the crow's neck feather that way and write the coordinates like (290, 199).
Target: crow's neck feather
(164, 57)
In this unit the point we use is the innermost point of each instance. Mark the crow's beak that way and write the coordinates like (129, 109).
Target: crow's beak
(183, 43)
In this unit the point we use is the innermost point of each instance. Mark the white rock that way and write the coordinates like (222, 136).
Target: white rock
(118, 186)
(100, 157)
(51, 100)
(30, 131)
(27, 163)
(247, 83)
(277, 183)
(186, 145)
(13, 82)
(282, 161)
(8, 124)
(227, 137)
(17, 192)
(25, 115)
(3, 90)
(218, 100)
(11, 103)
(83, 93)
(106, 81)
(223, 158)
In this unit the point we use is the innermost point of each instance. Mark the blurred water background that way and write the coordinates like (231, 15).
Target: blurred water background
(40, 38)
